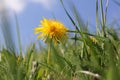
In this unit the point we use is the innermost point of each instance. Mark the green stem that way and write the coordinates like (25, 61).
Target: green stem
(48, 59)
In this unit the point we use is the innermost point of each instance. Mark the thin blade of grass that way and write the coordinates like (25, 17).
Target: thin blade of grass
(97, 19)
(103, 18)
(18, 35)
(7, 32)
(70, 17)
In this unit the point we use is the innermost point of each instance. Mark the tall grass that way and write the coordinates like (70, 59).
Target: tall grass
(85, 56)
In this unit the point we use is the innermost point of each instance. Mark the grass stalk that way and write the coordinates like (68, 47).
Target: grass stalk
(18, 35)
(103, 18)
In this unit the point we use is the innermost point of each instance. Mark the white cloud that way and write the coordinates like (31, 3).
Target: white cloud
(48, 4)
(19, 5)
(16, 5)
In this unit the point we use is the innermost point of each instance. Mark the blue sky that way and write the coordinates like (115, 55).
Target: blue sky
(30, 12)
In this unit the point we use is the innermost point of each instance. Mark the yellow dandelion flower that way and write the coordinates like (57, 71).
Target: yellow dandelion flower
(51, 29)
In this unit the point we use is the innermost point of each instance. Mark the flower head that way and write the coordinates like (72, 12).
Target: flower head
(51, 29)
(93, 39)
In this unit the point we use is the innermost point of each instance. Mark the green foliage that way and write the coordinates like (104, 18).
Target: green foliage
(85, 56)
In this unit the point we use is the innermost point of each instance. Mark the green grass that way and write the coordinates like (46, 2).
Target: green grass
(81, 58)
